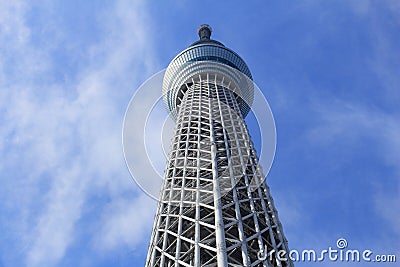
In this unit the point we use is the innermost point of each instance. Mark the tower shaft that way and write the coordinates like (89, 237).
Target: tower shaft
(214, 208)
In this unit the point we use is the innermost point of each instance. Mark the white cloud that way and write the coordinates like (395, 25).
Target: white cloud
(59, 148)
(366, 7)
(387, 205)
(55, 227)
(346, 123)
(123, 215)
(346, 126)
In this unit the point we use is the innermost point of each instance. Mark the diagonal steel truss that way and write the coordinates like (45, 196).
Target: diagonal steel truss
(214, 208)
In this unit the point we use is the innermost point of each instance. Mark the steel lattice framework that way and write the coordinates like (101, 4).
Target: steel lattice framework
(214, 208)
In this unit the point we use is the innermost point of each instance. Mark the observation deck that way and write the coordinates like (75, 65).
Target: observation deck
(205, 57)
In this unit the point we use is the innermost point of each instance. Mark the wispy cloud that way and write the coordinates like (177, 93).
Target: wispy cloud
(349, 131)
(346, 123)
(123, 215)
(61, 140)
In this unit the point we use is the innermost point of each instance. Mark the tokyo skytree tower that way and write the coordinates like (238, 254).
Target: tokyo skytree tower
(214, 208)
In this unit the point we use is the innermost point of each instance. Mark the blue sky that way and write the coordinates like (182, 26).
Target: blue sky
(329, 69)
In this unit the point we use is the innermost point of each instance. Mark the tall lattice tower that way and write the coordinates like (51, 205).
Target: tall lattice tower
(214, 207)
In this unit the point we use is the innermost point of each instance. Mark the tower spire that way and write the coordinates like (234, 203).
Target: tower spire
(204, 32)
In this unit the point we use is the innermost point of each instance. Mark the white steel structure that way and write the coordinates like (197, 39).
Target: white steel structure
(214, 208)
